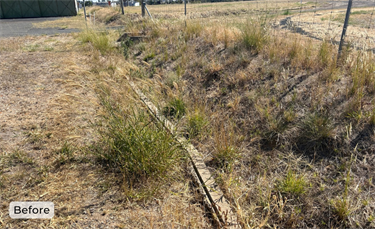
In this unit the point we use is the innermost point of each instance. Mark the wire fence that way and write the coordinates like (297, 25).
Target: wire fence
(317, 19)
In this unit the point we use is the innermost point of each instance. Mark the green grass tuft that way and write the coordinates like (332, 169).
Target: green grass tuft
(254, 36)
(293, 184)
(133, 144)
(176, 108)
(317, 127)
(197, 121)
(99, 40)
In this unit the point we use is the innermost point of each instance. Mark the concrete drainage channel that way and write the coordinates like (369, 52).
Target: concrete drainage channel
(213, 197)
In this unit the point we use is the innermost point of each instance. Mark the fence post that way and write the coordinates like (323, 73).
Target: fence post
(143, 8)
(84, 9)
(185, 6)
(344, 28)
(122, 6)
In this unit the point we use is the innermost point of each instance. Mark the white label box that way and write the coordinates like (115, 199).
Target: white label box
(31, 210)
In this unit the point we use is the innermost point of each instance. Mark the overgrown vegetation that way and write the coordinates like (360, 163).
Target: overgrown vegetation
(132, 143)
(276, 119)
(286, 128)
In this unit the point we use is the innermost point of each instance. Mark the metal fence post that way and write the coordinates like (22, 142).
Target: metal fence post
(143, 7)
(344, 28)
(84, 9)
(185, 6)
(122, 6)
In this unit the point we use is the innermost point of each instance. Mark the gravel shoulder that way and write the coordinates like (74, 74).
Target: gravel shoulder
(24, 26)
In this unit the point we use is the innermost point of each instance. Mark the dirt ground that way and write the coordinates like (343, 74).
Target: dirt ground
(47, 109)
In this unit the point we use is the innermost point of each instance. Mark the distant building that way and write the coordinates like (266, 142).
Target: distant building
(37, 8)
(131, 3)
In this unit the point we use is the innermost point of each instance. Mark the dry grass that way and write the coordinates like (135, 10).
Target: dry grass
(278, 137)
(287, 131)
(49, 104)
(77, 22)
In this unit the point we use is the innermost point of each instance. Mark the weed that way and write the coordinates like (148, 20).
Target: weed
(225, 149)
(34, 137)
(48, 48)
(126, 46)
(112, 18)
(171, 80)
(354, 107)
(43, 171)
(32, 48)
(317, 130)
(20, 157)
(64, 154)
(149, 56)
(342, 205)
(275, 129)
(295, 49)
(179, 70)
(324, 54)
(193, 30)
(363, 73)
(99, 40)
(1, 181)
(141, 47)
(176, 108)
(372, 118)
(289, 115)
(226, 38)
(66, 149)
(287, 12)
(196, 123)
(293, 184)
(137, 73)
(133, 144)
(223, 91)
(254, 36)
(155, 32)
(360, 12)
